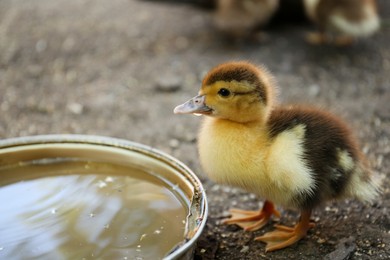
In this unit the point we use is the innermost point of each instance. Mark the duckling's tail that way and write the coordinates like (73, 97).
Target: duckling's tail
(364, 184)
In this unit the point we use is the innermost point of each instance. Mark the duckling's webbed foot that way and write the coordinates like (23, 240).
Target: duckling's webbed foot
(285, 236)
(321, 38)
(343, 41)
(252, 220)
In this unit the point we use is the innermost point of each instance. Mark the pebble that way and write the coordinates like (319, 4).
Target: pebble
(215, 187)
(314, 90)
(321, 241)
(244, 249)
(226, 189)
(168, 83)
(174, 143)
(331, 209)
(343, 250)
(75, 108)
(252, 196)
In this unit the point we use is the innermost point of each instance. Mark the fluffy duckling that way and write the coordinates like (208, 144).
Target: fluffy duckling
(343, 19)
(292, 156)
(240, 18)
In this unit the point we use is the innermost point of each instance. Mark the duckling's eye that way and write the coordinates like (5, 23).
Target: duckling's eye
(223, 92)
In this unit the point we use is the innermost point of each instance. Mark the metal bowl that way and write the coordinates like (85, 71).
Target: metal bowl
(125, 153)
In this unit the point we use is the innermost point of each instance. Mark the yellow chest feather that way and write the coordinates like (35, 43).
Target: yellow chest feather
(244, 156)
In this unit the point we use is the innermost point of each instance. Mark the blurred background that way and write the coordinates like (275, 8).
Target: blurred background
(118, 68)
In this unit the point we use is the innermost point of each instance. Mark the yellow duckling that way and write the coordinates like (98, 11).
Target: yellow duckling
(292, 156)
(240, 18)
(343, 19)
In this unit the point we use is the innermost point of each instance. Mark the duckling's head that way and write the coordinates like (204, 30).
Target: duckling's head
(236, 91)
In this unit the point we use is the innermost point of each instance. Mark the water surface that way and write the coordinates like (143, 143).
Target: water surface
(86, 210)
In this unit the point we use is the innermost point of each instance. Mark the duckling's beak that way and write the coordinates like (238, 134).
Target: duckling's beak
(195, 105)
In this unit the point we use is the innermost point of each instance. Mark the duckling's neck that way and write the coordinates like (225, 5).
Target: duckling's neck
(251, 126)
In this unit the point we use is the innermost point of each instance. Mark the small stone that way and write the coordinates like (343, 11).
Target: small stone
(343, 250)
(174, 143)
(321, 241)
(226, 189)
(75, 108)
(215, 187)
(252, 196)
(244, 249)
(314, 90)
(168, 83)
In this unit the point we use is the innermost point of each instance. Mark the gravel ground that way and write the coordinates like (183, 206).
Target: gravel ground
(117, 68)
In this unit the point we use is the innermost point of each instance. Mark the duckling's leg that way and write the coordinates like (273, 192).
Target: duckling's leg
(343, 40)
(316, 38)
(286, 236)
(252, 220)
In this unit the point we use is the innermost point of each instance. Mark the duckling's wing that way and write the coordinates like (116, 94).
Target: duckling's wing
(330, 152)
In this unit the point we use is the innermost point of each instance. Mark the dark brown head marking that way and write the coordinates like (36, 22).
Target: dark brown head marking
(237, 71)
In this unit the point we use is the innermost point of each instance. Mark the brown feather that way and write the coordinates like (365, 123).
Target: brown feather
(325, 135)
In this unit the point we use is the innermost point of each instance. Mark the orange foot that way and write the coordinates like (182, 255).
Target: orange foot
(320, 38)
(286, 236)
(316, 38)
(252, 220)
(343, 41)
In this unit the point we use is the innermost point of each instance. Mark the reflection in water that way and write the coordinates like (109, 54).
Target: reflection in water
(88, 215)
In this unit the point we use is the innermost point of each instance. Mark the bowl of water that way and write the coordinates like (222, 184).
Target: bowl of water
(86, 197)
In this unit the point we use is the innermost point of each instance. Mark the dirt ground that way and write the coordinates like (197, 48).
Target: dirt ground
(118, 68)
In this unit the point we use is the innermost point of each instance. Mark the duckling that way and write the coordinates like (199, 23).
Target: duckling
(240, 18)
(346, 20)
(293, 156)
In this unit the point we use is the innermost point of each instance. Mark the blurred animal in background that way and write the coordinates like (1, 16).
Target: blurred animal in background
(240, 18)
(340, 22)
